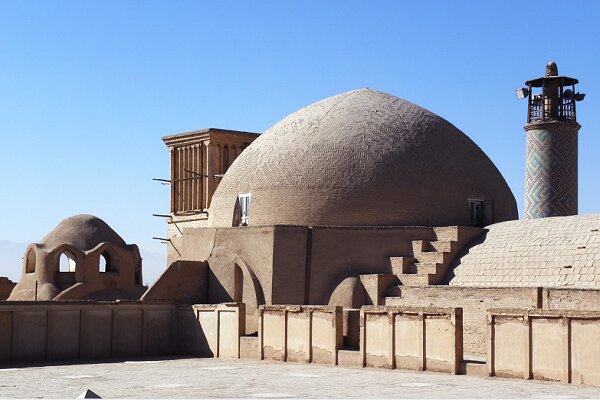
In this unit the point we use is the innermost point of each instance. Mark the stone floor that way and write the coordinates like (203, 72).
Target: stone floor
(205, 378)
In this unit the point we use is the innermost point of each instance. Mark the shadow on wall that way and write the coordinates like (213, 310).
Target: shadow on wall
(466, 249)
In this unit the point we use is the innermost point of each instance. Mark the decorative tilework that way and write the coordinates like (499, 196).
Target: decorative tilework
(551, 170)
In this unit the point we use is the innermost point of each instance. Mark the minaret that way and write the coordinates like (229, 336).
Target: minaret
(551, 160)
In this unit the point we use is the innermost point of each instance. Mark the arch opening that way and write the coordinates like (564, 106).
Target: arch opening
(67, 262)
(108, 262)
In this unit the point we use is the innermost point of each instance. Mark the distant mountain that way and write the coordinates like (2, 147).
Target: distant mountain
(153, 265)
(11, 262)
(11, 259)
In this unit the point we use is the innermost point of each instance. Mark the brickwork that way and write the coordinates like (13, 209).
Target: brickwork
(362, 158)
(474, 301)
(548, 252)
(551, 169)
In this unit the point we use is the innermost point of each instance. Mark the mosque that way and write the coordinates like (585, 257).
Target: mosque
(358, 200)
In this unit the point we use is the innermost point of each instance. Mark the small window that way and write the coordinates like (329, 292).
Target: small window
(244, 201)
(66, 262)
(30, 262)
(481, 212)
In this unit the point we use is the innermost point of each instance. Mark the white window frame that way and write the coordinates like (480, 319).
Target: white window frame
(244, 200)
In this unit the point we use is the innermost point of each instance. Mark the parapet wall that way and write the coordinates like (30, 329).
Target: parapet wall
(423, 339)
(73, 330)
(300, 333)
(475, 301)
(549, 345)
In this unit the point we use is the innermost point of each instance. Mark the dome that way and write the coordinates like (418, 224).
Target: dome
(361, 158)
(82, 231)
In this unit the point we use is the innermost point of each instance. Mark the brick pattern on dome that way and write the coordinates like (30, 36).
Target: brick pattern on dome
(545, 252)
(551, 171)
(361, 158)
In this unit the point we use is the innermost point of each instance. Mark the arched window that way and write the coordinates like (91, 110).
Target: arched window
(30, 262)
(67, 262)
(108, 262)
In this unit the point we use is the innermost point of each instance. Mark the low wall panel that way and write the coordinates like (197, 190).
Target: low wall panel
(440, 350)
(29, 335)
(558, 345)
(548, 348)
(585, 352)
(6, 330)
(63, 334)
(475, 301)
(511, 339)
(298, 336)
(208, 322)
(229, 334)
(377, 339)
(85, 330)
(408, 342)
(412, 338)
(158, 331)
(300, 333)
(273, 335)
(326, 335)
(127, 333)
(217, 329)
(96, 333)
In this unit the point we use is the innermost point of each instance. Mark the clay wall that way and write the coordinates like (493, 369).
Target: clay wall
(300, 333)
(548, 345)
(69, 331)
(474, 301)
(6, 287)
(277, 255)
(418, 339)
(571, 299)
(339, 252)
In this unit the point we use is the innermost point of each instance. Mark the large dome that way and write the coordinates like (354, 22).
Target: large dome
(362, 158)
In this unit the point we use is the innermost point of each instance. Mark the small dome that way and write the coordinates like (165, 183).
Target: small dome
(83, 231)
(362, 158)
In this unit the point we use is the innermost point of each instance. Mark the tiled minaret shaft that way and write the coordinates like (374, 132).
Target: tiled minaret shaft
(552, 141)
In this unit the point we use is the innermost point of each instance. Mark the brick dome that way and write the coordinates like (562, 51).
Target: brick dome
(362, 158)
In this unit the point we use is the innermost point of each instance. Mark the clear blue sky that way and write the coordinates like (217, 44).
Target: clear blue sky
(89, 87)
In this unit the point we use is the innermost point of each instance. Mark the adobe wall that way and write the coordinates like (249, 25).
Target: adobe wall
(474, 301)
(6, 287)
(84, 330)
(339, 252)
(268, 254)
(548, 345)
(571, 299)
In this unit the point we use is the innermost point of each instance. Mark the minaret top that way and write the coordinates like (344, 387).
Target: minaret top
(556, 100)
(551, 69)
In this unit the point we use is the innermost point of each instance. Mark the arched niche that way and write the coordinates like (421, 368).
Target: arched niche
(30, 261)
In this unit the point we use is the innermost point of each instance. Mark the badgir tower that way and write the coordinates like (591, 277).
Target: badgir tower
(362, 230)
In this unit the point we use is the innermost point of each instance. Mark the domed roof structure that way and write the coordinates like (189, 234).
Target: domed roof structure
(82, 231)
(548, 252)
(362, 158)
